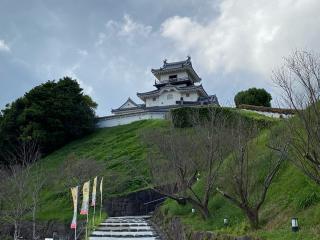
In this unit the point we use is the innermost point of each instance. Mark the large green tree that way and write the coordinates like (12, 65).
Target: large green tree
(253, 96)
(51, 114)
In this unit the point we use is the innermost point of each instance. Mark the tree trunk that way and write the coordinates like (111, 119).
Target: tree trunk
(253, 217)
(34, 223)
(203, 209)
(15, 234)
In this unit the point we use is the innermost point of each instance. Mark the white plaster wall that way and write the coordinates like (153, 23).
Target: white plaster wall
(122, 120)
(192, 97)
(165, 77)
(163, 100)
(271, 114)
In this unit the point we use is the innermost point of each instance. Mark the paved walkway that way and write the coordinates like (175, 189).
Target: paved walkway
(125, 228)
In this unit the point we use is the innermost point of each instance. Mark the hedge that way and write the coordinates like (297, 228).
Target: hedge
(182, 117)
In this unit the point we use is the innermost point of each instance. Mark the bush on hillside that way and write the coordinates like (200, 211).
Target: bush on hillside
(184, 117)
(51, 114)
(253, 96)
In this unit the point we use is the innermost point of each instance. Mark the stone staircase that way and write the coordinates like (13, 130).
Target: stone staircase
(125, 228)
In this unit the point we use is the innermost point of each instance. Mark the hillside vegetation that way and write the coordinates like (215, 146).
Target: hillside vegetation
(119, 150)
(122, 152)
(116, 149)
(291, 194)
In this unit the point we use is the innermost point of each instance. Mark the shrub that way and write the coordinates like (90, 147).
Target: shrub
(253, 96)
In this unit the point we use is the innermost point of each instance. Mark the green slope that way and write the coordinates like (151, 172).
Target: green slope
(123, 152)
(118, 148)
(292, 194)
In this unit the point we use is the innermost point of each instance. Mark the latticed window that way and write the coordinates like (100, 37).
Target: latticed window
(169, 96)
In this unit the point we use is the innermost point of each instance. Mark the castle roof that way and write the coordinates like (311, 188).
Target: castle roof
(173, 67)
(158, 92)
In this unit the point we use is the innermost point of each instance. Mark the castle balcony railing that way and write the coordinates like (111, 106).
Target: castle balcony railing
(172, 81)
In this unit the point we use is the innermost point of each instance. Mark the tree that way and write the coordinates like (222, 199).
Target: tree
(253, 96)
(299, 79)
(52, 114)
(249, 179)
(19, 194)
(182, 154)
(74, 171)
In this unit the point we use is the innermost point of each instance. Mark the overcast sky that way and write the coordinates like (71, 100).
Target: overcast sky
(110, 46)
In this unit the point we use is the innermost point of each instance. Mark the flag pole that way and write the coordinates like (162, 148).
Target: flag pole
(87, 225)
(101, 190)
(100, 206)
(94, 213)
(75, 233)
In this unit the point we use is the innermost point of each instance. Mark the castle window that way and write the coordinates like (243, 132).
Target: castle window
(154, 99)
(187, 94)
(173, 77)
(169, 96)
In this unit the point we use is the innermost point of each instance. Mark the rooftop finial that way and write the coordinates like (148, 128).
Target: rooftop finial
(188, 58)
(165, 62)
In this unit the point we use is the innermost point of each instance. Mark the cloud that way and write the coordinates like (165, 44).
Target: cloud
(127, 29)
(247, 35)
(4, 47)
(82, 52)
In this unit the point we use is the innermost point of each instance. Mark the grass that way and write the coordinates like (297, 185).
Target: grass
(291, 194)
(118, 148)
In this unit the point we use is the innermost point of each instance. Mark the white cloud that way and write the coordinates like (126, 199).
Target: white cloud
(82, 52)
(247, 35)
(128, 28)
(4, 47)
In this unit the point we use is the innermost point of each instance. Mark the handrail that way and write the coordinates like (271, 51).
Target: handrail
(157, 200)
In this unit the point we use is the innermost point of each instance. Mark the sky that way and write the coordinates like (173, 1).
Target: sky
(110, 46)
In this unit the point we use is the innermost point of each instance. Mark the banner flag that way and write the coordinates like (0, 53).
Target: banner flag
(74, 192)
(101, 182)
(85, 198)
(94, 192)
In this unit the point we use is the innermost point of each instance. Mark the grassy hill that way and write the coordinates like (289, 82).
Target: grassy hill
(117, 149)
(123, 153)
(292, 194)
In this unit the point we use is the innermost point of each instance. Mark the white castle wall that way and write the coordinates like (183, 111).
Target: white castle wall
(116, 120)
(271, 114)
(164, 100)
(165, 77)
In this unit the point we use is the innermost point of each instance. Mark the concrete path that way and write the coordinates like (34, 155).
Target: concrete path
(125, 228)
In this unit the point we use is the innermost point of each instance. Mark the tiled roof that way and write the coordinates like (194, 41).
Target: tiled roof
(178, 88)
(174, 66)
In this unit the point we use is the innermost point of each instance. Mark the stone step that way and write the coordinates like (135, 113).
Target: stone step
(113, 228)
(124, 238)
(125, 228)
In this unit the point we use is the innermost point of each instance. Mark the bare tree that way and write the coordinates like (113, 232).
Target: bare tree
(16, 192)
(248, 176)
(37, 182)
(299, 79)
(76, 170)
(182, 154)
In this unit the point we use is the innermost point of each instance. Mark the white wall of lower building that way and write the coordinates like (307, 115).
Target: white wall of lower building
(271, 114)
(112, 121)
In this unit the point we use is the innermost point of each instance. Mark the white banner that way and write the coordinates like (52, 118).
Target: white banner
(94, 192)
(74, 192)
(85, 198)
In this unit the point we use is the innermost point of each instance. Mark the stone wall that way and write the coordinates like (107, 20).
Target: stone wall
(134, 204)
